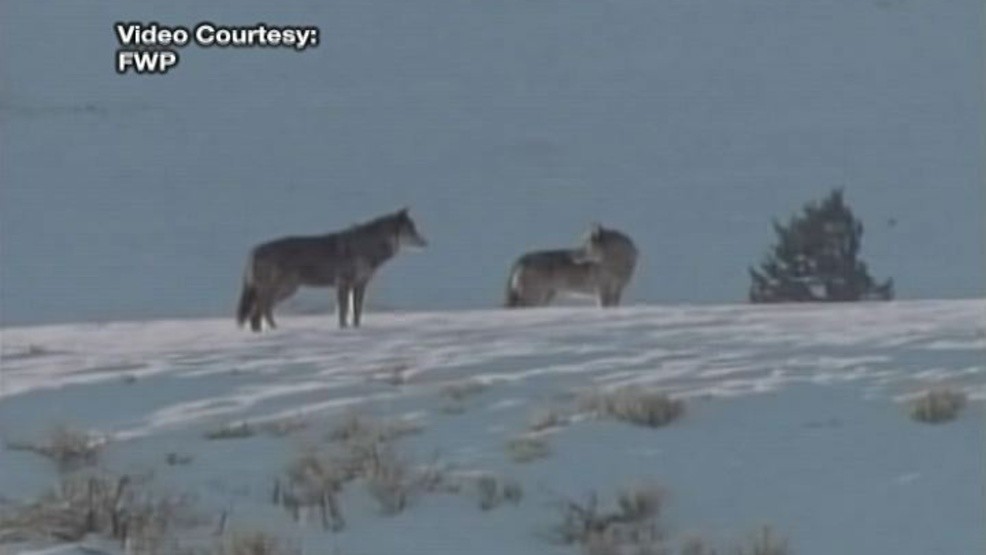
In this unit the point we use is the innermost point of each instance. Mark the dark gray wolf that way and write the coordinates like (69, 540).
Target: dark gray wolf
(345, 260)
(601, 267)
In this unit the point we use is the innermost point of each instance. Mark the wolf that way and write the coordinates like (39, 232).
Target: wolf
(601, 267)
(344, 259)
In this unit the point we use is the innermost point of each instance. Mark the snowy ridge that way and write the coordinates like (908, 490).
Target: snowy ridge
(725, 350)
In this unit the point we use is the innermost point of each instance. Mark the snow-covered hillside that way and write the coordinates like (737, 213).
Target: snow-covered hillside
(795, 417)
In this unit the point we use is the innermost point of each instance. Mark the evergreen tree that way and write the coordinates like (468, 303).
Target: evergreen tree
(816, 259)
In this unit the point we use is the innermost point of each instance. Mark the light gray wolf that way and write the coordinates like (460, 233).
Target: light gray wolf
(345, 260)
(601, 267)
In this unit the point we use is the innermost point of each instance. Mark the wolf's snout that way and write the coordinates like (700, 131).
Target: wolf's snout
(415, 239)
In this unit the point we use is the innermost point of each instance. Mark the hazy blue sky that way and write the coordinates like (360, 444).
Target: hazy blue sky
(506, 126)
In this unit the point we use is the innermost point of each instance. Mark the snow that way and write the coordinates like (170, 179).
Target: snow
(795, 416)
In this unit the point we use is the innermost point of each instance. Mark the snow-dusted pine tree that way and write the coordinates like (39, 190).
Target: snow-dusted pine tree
(816, 259)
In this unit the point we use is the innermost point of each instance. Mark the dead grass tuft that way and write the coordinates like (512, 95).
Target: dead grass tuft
(312, 481)
(696, 546)
(528, 448)
(106, 505)
(358, 427)
(761, 542)
(462, 390)
(239, 430)
(629, 528)
(69, 448)
(389, 478)
(764, 542)
(283, 426)
(938, 406)
(643, 408)
(254, 543)
(493, 492)
(395, 375)
(363, 451)
(547, 419)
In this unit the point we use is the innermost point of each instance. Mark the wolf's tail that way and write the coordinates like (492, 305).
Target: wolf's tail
(513, 298)
(248, 298)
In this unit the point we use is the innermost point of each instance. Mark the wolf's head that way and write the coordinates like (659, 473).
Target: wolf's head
(407, 233)
(593, 245)
(609, 247)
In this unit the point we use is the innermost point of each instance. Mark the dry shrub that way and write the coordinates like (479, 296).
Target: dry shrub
(764, 542)
(512, 492)
(357, 427)
(629, 528)
(462, 390)
(612, 544)
(640, 503)
(547, 419)
(644, 408)
(312, 481)
(106, 505)
(363, 453)
(283, 426)
(761, 542)
(254, 543)
(394, 480)
(239, 430)
(391, 483)
(938, 406)
(395, 375)
(456, 394)
(527, 448)
(391, 479)
(242, 430)
(31, 351)
(69, 448)
(493, 491)
(696, 546)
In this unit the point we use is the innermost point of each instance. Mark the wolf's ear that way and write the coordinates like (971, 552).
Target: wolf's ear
(403, 211)
(596, 229)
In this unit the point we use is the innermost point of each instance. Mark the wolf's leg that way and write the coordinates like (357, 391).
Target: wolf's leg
(359, 293)
(342, 302)
(262, 311)
(617, 294)
(517, 297)
(609, 297)
(256, 324)
(284, 291)
(254, 314)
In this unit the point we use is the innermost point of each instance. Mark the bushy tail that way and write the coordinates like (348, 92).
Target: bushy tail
(248, 298)
(513, 298)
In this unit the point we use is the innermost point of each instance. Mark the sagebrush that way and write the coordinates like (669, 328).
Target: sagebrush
(640, 407)
(121, 508)
(69, 448)
(938, 405)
